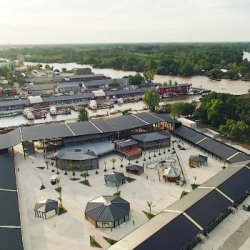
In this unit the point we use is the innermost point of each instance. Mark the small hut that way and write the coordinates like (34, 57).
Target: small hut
(114, 177)
(107, 211)
(197, 160)
(171, 174)
(46, 209)
(135, 169)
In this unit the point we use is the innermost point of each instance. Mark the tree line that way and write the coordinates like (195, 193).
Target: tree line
(184, 59)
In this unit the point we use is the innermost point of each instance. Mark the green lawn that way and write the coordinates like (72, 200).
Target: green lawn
(150, 216)
(94, 243)
(86, 182)
(110, 241)
(117, 194)
(58, 190)
(184, 193)
(129, 179)
(194, 186)
(62, 210)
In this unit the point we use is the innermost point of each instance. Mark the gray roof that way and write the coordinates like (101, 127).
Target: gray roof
(149, 118)
(14, 102)
(198, 158)
(126, 143)
(62, 85)
(46, 206)
(125, 122)
(66, 98)
(65, 154)
(39, 87)
(58, 78)
(83, 128)
(103, 126)
(47, 131)
(151, 136)
(240, 157)
(167, 118)
(107, 209)
(10, 139)
(130, 91)
(104, 81)
(11, 238)
(114, 177)
(134, 167)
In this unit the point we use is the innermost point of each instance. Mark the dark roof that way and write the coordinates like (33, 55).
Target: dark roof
(130, 91)
(45, 132)
(39, 87)
(114, 177)
(168, 86)
(151, 136)
(103, 126)
(237, 184)
(175, 235)
(46, 206)
(206, 210)
(107, 208)
(189, 134)
(198, 158)
(125, 122)
(9, 212)
(104, 81)
(126, 143)
(240, 157)
(14, 102)
(62, 85)
(11, 239)
(167, 118)
(7, 172)
(64, 154)
(10, 139)
(66, 97)
(149, 118)
(134, 167)
(83, 128)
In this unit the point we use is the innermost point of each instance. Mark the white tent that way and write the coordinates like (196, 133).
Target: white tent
(35, 99)
(99, 93)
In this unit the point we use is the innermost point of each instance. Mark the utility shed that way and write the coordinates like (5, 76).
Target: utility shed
(115, 177)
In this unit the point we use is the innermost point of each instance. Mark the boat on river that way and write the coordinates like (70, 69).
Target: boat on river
(8, 114)
(53, 110)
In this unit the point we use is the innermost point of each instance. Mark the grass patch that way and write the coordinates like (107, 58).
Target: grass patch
(94, 243)
(184, 193)
(117, 194)
(191, 166)
(86, 182)
(129, 179)
(110, 241)
(58, 190)
(150, 216)
(42, 187)
(62, 210)
(194, 186)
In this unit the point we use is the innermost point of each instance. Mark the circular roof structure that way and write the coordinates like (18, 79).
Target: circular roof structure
(107, 209)
(171, 172)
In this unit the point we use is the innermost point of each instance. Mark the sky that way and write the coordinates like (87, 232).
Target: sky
(123, 21)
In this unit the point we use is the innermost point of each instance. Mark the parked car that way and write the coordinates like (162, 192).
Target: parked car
(246, 207)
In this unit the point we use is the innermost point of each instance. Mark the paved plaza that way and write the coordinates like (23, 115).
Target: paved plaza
(71, 230)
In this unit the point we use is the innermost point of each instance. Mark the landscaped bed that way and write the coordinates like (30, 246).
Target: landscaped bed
(62, 210)
(129, 179)
(110, 241)
(86, 182)
(94, 243)
(150, 216)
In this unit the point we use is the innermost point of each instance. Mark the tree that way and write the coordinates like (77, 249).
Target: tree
(113, 160)
(47, 163)
(64, 70)
(47, 66)
(117, 184)
(52, 163)
(121, 159)
(151, 99)
(10, 77)
(149, 75)
(57, 166)
(58, 182)
(83, 115)
(129, 157)
(84, 175)
(136, 79)
(114, 82)
(150, 205)
(72, 167)
(81, 167)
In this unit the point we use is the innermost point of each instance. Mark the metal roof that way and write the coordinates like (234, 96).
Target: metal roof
(46, 206)
(64, 154)
(14, 102)
(66, 98)
(149, 118)
(11, 238)
(151, 136)
(125, 122)
(130, 91)
(198, 158)
(10, 139)
(83, 128)
(62, 85)
(98, 93)
(134, 167)
(167, 118)
(126, 143)
(114, 176)
(240, 157)
(7, 173)
(39, 87)
(107, 208)
(47, 131)
(35, 99)
(103, 126)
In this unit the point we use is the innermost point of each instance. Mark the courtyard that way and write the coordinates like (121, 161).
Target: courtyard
(71, 230)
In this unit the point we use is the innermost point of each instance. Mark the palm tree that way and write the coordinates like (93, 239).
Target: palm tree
(65, 169)
(42, 186)
(149, 157)
(60, 198)
(57, 166)
(121, 159)
(117, 184)
(58, 181)
(81, 167)
(129, 157)
(159, 149)
(164, 147)
(113, 160)
(173, 142)
(47, 163)
(84, 175)
(144, 159)
(195, 177)
(73, 167)
(154, 152)
(150, 205)
(52, 163)
(105, 169)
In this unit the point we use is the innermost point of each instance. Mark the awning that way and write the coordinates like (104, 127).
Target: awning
(98, 93)
(35, 99)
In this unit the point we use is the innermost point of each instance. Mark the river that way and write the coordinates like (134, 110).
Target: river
(223, 86)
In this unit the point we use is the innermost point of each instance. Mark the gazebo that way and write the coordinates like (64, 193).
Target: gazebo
(107, 211)
(46, 209)
(135, 169)
(171, 174)
(112, 178)
(197, 160)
